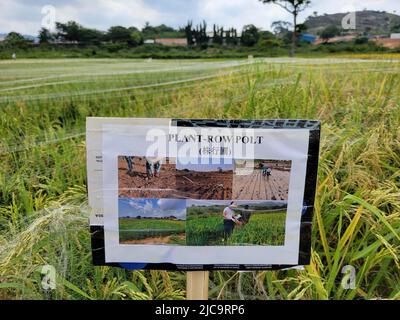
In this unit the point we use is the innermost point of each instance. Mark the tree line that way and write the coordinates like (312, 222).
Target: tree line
(197, 35)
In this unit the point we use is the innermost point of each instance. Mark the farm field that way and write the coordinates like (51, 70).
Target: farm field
(138, 185)
(255, 186)
(264, 228)
(204, 185)
(43, 202)
(151, 231)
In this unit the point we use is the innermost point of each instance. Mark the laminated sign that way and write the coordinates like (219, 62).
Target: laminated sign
(186, 194)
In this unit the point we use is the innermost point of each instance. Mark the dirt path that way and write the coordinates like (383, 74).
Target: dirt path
(155, 240)
(257, 187)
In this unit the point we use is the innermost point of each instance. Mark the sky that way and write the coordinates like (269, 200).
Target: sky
(26, 17)
(152, 208)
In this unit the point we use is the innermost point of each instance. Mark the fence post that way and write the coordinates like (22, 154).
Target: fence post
(197, 285)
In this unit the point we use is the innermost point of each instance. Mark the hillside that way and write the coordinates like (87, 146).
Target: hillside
(374, 22)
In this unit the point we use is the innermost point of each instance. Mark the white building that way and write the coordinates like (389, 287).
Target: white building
(395, 36)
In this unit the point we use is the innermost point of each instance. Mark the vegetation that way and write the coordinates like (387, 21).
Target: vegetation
(137, 229)
(43, 204)
(330, 32)
(204, 227)
(294, 7)
(72, 40)
(368, 21)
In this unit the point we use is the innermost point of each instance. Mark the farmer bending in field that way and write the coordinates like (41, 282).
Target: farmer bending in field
(230, 219)
(129, 161)
(266, 171)
(153, 166)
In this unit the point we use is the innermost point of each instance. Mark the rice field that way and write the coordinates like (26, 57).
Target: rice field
(263, 229)
(43, 202)
(151, 231)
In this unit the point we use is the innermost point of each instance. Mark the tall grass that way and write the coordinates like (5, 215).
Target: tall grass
(43, 212)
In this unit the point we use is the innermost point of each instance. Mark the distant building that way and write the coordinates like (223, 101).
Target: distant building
(388, 43)
(210, 34)
(63, 42)
(172, 41)
(149, 41)
(395, 36)
(347, 38)
(310, 38)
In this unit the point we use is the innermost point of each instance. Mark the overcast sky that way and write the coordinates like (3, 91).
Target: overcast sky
(152, 208)
(25, 16)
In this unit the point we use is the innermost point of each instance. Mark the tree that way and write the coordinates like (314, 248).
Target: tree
(189, 33)
(266, 35)
(119, 34)
(161, 31)
(395, 29)
(294, 7)
(45, 36)
(197, 36)
(329, 32)
(250, 35)
(218, 34)
(136, 38)
(15, 39)
(301, 28)
(74, 32)
(281, 27)
(69, 31)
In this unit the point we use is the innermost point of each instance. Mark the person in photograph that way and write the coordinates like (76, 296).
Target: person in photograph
(153, 166)
(266, 171)
(129, 161)
(230, 219)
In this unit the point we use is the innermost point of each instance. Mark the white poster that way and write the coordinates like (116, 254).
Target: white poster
(208, 194)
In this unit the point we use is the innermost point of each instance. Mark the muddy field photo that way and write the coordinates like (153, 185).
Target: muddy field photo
(204, 181)
(139, 177)
(261, 180)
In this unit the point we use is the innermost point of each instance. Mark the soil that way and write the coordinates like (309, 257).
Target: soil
(138, 185)
(204, 185)
(155, 240)
(256, 187)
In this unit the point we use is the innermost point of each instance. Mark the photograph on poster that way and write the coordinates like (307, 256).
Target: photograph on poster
(261, 180)
(204, 179)
(152, 221)
(235, 223)
(146, 177)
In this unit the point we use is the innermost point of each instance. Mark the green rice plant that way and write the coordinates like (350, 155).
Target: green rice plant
(43, 213)
(137, 229)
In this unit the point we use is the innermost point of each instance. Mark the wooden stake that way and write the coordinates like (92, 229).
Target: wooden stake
(197, 285)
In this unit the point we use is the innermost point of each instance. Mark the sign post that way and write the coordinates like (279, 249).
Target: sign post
(197, 285)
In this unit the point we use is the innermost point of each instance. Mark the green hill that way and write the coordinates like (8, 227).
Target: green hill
(373, 22)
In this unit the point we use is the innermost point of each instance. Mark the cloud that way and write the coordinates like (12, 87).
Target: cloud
(148, 207)
(171, 204)
(152, 208)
